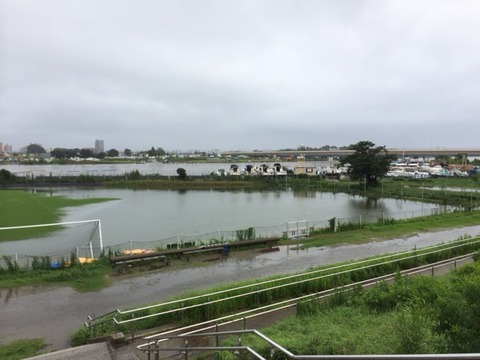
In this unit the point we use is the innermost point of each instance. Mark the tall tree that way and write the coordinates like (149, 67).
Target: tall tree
(6, 176)
(182, 173)
(152, 152)
(86, 153)
(112, 153)
(35, 149)
(368, 163)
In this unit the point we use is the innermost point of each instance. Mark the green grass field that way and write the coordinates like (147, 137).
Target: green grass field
(22, 207)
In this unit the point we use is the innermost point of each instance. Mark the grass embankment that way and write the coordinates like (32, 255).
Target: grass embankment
(393, 229)
(414, 315)
(81, 277)
(20, 207)
(21, 349)
(189, 184)
(191, 308)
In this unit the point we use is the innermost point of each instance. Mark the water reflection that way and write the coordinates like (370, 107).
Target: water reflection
(304, 194)
(7, 294)
(156, 214)
(162, 215)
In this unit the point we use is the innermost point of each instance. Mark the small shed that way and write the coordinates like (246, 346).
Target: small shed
(309, 170)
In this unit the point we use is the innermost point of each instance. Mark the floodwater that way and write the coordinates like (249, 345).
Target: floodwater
(53, 313)
(151, 218)
(144, 168)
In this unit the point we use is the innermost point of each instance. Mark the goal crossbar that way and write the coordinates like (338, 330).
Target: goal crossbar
(68, 237)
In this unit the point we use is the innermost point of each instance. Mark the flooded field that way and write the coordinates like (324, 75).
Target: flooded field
(148, 219)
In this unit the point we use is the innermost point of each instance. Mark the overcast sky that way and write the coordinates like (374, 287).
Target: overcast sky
(239, 74)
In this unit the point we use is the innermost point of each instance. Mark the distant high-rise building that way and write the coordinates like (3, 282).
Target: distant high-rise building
(99, 146)
(1, 148)
(8, 149)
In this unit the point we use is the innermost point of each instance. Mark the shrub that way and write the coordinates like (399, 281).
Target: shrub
(80, 337)
(412, 329)
(12, 265)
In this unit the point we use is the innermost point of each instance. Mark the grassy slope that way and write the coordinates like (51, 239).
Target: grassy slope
(399, 228)
(21, 349)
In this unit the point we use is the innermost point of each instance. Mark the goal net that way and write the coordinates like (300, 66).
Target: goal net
(57, 241)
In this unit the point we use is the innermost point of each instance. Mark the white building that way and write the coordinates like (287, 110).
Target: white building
(99, 148)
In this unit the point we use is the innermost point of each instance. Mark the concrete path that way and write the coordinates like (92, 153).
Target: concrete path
(101, 351)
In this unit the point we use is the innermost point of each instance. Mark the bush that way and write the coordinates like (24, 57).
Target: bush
(80, 337)
(413, 329)
(457, 311)
(12, 265)
(247, 234)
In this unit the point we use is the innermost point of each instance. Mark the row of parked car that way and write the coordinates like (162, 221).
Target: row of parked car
(436, 171)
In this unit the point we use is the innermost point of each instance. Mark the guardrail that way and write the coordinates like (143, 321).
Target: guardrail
(185, 350)
(181, 306)
(156, 344)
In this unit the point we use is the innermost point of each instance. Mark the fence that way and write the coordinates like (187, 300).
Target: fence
(58, 247)
(291, 230)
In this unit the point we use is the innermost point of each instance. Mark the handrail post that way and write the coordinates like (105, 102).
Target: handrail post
(183, 311)
(133, 324)
(157, 351)
(186, 351)
(237, 353)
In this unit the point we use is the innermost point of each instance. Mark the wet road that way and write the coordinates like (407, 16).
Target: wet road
(53, 313)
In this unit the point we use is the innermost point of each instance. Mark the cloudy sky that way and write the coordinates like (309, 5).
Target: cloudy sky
(239, 75)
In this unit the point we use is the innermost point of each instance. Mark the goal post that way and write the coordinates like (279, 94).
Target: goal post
(57, 241)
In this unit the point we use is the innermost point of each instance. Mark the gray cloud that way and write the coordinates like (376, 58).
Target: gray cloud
(237, 75)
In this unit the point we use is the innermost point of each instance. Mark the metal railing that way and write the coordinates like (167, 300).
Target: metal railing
(157, 344)
(180, 306)
(186, 350)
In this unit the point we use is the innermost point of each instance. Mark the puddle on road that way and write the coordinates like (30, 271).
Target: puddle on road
(54, 313)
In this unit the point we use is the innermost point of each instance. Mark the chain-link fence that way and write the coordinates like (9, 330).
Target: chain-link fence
(291, 230)
(23, 253)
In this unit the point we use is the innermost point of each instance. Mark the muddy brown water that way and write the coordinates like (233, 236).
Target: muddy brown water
(53, 313)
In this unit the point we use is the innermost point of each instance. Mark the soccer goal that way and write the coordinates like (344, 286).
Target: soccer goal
(57, 241)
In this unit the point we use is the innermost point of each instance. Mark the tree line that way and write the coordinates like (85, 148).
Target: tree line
(66, 153)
